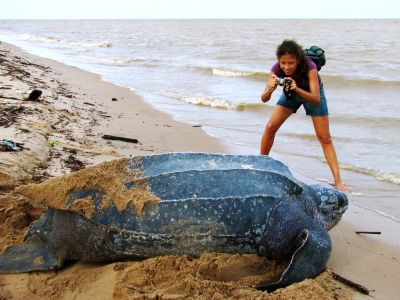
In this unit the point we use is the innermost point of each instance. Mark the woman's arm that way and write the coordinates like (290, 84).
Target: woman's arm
(313, 96)
(270, 87)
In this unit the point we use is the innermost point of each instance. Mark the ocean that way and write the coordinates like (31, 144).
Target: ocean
(212, 73)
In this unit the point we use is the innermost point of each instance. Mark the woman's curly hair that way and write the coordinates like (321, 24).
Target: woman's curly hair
(291, 47)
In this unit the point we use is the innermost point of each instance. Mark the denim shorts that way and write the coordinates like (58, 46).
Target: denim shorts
(313, 110)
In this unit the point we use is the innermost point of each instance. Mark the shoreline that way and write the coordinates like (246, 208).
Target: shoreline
(369, 260)
(92, 97)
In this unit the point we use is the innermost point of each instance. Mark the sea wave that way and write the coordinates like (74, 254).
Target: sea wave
(379, 175)
(124, 61)
(391, 122)
(305, 136)
(364, 80)
(230, 72)
(365, 140)
(370, 82)
(333, 79)
(388, 177)
(238, 73)
(215, 102)
(52, 39)
(252, 106)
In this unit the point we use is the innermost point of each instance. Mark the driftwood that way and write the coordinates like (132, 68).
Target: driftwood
(368, 232)
(88, 103)
(349, 283)
(119, 138)
(10, 98)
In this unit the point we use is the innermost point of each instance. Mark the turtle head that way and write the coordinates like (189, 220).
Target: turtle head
(324, 204)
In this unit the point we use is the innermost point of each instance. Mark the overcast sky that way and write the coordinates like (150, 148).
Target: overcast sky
(134, 9)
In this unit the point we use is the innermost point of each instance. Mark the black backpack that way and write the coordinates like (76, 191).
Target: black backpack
(317, 55)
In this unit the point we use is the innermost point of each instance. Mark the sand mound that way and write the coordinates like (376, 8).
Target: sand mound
(212, 276)
(16, 214)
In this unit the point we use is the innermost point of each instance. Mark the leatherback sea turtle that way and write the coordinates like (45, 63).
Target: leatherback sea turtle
(208, 203)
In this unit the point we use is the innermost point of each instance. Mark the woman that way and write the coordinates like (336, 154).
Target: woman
(302, 86)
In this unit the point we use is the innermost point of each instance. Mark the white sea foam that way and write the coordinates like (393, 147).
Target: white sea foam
(388, 178)
(111, 61)
(209, 101)
(382, 176)
(214, 102)
(231, 73)
(259, 75)
(52, 39)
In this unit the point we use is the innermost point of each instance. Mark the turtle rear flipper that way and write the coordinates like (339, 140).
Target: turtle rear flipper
(59, 235)
(32, 255)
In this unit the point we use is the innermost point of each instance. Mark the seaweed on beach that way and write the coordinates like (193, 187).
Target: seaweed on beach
(73, 163)
(16, 69)
(9, 114)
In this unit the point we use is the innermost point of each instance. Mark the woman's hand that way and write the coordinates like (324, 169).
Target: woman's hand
(272, 83)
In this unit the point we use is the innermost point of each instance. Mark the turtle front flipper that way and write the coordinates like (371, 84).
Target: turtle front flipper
(32, 255)
(292, 233)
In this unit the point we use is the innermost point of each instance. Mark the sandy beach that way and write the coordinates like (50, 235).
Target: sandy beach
(62, 132)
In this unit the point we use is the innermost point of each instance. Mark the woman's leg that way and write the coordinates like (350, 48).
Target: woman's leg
(321, 126)
(278, 117)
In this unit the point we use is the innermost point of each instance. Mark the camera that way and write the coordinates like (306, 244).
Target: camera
(286, 83)
(281, 81)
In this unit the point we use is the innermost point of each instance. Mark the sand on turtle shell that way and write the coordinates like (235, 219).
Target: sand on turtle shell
(110, 177)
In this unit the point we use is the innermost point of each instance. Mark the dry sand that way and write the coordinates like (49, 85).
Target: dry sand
(62, 132)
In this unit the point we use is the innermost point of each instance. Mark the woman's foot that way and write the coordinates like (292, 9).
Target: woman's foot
(341, 187)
